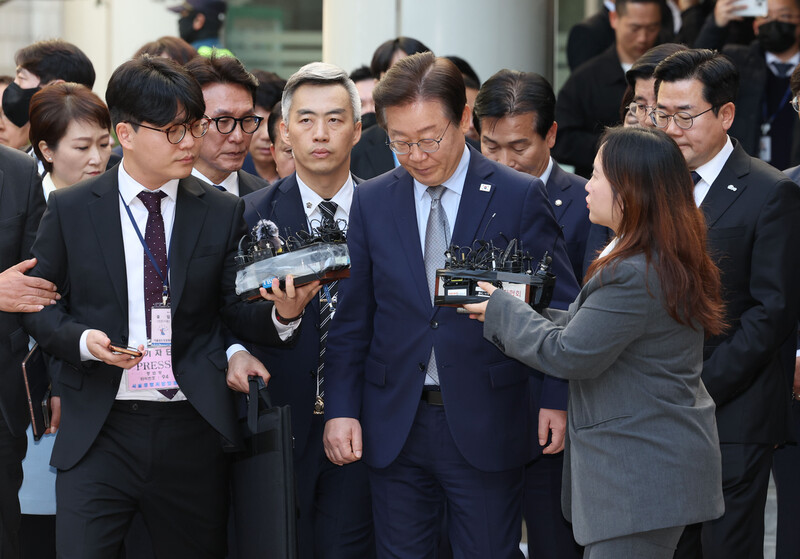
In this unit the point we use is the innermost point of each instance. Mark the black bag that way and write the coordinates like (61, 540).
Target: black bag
(263, 487)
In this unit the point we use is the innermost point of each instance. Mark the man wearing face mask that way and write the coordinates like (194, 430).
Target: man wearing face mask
(40, 64)
(765, 124)
(201, 22)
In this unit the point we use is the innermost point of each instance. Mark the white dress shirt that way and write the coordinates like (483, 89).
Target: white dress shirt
(449, 200)
(710, 170)
(230, 184)
(311, 200)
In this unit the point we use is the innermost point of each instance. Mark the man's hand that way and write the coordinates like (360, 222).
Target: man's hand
(98, 345)
(290, 303)
(241, 366)
(555, 422)
(21, 293)
(55, 415)
(477, 311)
(342, 440)
(725, 12)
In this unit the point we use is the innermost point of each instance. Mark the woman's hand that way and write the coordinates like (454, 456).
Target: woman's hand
(477, 311)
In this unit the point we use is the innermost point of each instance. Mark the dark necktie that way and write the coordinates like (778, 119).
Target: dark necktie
(327, 307)
(783, 69)
(156, 241)
(695, 177)
(437, 233)
(220, 187)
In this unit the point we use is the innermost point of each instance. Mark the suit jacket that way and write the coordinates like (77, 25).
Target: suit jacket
(589, 102)
(750, 101)
(385, 326)
(753, 217)
(568, 198)
(371, 156)
(79, 247)
(292, 368)
(249, 183)
(642, 450)
(587, 38)
(21, 207)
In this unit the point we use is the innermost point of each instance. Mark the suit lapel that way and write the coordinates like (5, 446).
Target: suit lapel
(405, 217)
(104, 212)
(190, 214)
(556, 185)
(729, 185)
(286, 209)
(475, 198)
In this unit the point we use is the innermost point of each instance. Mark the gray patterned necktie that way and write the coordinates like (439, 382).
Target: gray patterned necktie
(437, 239)
(327, 307)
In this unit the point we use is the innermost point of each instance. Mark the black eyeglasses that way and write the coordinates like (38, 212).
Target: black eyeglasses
(177, 132)
(682, 119)
(427, 145)
(227, 124)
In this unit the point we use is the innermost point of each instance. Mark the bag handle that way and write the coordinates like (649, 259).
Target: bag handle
(258, 391)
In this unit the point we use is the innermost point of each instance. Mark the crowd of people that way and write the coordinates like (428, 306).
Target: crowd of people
(639, 416)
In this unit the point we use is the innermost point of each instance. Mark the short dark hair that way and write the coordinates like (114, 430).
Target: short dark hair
(714, 70)
(6, 80)
(471, 78)
(645, 65)
(274, 119)
(794, 81)
(56, 59)
(153, 89)
(222, 69)
(361, 73)
(172, 47)
(55, 107)
(622, 5)
(509, 92)
(421, 76)
(382, 58)
(270, 88)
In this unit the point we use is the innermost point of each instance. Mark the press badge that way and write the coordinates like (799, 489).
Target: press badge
(154, 371)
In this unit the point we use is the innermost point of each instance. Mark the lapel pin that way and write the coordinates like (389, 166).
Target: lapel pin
(308, 205)
(486, 187)
(732, 188)
(559, 202)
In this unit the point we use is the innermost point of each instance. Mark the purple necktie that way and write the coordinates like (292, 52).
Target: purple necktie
(155, 239)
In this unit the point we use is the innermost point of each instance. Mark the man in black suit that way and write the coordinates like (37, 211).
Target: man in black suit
(21, 207)
(590, 36)
(590, 99)
(146, 433)
(753, 217)
(516, 114)
(765, 125)
(321, 122)
(229, 91)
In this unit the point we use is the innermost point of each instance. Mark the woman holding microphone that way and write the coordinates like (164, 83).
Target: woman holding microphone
(642, 457)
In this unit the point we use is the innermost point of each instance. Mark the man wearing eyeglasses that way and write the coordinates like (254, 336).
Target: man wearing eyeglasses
(753, 216)
(765, 125)
(145, 254)
(437, 413)
(229, 91)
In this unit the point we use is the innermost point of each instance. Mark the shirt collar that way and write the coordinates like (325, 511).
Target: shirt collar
(710, 170)
(456, 180)
(794, 61)
(546, 175)
(229, 183)
(311, 200)
(129, 188)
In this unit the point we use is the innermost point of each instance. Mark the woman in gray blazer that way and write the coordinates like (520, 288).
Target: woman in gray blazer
(642, 457)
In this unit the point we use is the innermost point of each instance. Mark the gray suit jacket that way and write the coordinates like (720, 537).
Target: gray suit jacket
(642, 450)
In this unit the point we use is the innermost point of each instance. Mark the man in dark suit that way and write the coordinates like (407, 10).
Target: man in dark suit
(753, 217)
(765, 123)
(21, 207)
(445, 417)
(322, 123)
(146, 433)
(590, 36)
(590, 99)
(516, 114)
(229, 91)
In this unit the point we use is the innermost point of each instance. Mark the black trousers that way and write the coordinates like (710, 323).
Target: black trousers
(161, 459)
(12, 452)
(740, 531)
(335, 504)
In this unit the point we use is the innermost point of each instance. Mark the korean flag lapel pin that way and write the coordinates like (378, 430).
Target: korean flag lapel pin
(732, 188)
(486, 187)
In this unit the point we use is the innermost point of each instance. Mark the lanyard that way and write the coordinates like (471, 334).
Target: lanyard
(767, 125)
(165, 275)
